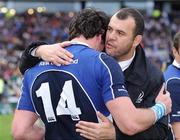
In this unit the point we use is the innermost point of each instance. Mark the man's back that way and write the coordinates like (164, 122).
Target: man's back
(63, 95)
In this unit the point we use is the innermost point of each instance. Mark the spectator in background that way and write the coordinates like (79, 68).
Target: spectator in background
(172, 77)
(143, 80)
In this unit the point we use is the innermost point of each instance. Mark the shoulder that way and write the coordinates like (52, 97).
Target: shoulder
(108, 61)
(171, 73)
(32, 73)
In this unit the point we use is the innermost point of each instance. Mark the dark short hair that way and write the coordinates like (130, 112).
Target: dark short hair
(89, 22)
(124, 13)
(176, 41)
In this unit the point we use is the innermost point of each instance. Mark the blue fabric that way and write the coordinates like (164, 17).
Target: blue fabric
(62, 95)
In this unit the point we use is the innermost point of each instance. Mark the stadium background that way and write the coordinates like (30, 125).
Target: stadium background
(22, 22)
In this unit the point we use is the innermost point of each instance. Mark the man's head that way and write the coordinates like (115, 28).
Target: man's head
(89, 23)
(124, 33)
(176, 47)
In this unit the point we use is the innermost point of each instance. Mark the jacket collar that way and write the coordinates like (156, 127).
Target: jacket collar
(136, 73)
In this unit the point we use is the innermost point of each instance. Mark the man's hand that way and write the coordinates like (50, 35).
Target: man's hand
(97, 131)
(55, 53)
(165, 99)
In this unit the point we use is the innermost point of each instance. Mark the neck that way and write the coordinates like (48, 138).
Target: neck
(126, 56)
(82, 39)
(178, 61)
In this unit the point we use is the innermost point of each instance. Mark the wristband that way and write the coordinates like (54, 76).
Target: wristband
(159, 110)
(165, 109)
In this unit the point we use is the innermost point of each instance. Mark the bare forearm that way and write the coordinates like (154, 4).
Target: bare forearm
(156, 132)
(176, 129)
(140, 120)
(133, 120)
(144, 119)
(37, 133)
(34, 133)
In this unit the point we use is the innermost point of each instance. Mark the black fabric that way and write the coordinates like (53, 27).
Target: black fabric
(27, 60)
(156, 132)
(144, 80)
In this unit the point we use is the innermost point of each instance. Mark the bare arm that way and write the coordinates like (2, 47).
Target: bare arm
(126, 116)
(131, 120)
(176, 130)
(23, 126)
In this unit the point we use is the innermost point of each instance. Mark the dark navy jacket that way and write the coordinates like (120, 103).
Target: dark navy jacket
(143, 81)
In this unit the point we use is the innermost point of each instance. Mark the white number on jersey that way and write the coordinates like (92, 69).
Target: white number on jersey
(66, 97)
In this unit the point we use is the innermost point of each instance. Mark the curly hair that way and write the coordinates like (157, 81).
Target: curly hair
(89, 23)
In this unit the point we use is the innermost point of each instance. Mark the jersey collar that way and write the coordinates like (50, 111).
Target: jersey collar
(176, 64)
(78, 42)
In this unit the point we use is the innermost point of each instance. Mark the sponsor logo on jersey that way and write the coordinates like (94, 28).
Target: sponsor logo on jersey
(44, 63)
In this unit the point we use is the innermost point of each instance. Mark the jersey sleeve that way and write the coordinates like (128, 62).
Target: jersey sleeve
(112, 78)
(173, 86)
(25, 102)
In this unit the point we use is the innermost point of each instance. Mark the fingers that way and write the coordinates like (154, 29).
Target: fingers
(102, 117)
(162, 91)
(87, 125)
(96, 131)
(64, 51)
(168, 93)
(65, 44)
(87, 129)
(165, 99)
(66, 55)
(58, 61)
(87, 136)
(58, 56)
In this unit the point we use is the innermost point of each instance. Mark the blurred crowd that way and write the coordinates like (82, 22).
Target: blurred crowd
(158, 35)
(19, 31)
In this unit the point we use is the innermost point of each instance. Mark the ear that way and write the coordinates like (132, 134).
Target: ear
(99, 37)
(175, 52)
(137, 40)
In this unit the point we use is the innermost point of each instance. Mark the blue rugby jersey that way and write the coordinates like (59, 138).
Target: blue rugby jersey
(172, 78)
(63, 95)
